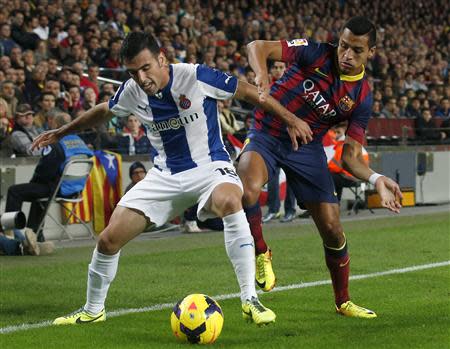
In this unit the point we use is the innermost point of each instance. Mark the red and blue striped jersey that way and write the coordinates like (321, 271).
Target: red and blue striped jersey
(313, 89)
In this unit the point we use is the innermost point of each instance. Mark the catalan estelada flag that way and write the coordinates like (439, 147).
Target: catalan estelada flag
(106, 177)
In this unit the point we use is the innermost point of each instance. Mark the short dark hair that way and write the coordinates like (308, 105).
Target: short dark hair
(360, 25)
(46, 93)
(135, 165)
(135, 42)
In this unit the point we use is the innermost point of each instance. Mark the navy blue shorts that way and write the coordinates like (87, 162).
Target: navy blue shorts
(306, 169)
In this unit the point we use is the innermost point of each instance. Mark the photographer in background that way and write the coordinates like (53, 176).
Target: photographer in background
(47, 174)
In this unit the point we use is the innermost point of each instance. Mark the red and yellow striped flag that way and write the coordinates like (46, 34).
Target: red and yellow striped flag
(106, 179)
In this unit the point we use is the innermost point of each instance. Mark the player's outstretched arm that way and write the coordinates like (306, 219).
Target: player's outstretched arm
(94, 116)
(353, 161)
(296, 127)
(258, 52)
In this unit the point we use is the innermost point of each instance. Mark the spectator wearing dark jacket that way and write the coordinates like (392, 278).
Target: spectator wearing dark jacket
(413, 109)
(134, 139)
(426, 129)
(6, 43)
(35, 86)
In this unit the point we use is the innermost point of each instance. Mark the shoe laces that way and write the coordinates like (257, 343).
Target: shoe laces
(255, 305)
(76, 312)
(261, 267)
(351, 305)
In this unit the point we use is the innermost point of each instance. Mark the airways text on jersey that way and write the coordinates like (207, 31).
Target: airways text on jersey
(316, 101)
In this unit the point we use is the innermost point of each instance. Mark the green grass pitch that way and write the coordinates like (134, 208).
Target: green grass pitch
(413, 308)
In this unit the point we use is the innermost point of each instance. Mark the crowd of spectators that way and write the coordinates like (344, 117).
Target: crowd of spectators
(46, 46)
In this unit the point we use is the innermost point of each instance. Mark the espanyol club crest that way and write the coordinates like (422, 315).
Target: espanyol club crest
(346, 103)
(185, 103)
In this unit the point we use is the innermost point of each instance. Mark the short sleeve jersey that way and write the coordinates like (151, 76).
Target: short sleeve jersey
(182, 119)
(314, 91)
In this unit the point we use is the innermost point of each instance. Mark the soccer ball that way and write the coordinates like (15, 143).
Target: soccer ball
(197, 318)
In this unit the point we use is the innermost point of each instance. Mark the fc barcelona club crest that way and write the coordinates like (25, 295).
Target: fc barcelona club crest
(185, 103)
(346, 103)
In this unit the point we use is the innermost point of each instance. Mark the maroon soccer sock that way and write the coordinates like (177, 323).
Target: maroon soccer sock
(254, 217)
(338, 263)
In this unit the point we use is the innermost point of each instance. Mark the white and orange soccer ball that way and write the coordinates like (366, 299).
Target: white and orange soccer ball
(197, 318)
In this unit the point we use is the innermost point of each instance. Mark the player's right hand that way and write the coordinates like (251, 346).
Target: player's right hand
(299, 129)
(262, 83)
(45, 138)
(390, 194)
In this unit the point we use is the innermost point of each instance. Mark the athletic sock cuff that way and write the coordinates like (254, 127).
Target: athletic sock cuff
(336, 252)
(252, 210)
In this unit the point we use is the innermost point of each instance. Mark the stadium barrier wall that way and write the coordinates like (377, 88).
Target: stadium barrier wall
(426, 169)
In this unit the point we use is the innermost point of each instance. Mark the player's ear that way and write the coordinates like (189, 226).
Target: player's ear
(162, 60)
(371, 52)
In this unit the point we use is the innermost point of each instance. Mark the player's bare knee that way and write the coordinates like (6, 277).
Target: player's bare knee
(333, 234)
(106, 244)
(251, 193)
(229, 205)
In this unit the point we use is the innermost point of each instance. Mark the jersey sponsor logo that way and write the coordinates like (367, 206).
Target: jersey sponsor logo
(317, 70)
(346, 103)
(185, 103)
(316, 101)
(173, 123)
(297, 42)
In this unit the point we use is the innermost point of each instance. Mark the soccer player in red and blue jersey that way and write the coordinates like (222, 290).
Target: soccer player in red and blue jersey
(323, 86)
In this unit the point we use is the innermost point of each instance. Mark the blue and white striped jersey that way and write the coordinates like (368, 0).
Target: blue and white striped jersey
(182, 119)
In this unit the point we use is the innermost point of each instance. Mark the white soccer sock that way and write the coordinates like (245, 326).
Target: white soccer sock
(241, 251)
(102, 270)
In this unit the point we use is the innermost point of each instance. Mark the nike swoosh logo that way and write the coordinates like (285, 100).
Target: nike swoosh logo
(261, 284)
(250, 244)
(249, 313)
(320, 73)
(344, 264)
(142, 108)
(79, 321)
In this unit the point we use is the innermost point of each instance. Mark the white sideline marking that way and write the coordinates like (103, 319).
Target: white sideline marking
(120, 312)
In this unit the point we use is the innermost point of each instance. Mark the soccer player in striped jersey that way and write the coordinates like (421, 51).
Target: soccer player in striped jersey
(178, 103)
(323, 86)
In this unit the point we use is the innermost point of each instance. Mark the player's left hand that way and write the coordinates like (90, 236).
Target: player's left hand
(390, 193)
(262, 83)
(299, 129)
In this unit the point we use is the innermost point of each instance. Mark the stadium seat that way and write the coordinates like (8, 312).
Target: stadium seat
(358, 190)
(388, 131)
(78, 168)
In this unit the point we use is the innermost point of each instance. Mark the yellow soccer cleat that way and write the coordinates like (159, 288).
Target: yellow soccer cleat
(265, 278)
(350, 309)
(254, 311)
(80, 317)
